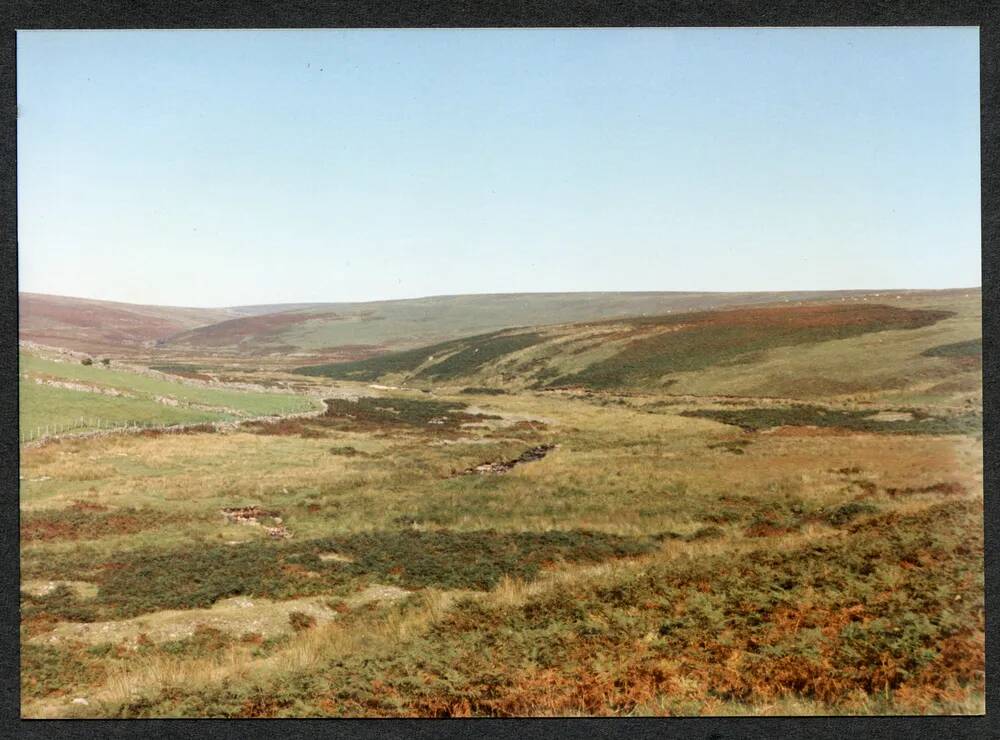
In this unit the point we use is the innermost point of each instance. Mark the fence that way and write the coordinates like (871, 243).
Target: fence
(86, 427)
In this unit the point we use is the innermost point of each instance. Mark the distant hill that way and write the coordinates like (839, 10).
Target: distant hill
(798, 350)
(359, 330)
(94, 326)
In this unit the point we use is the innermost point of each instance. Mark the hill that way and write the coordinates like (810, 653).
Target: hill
(348, 331)
(60, 396)
(94, 326)
(927, 341)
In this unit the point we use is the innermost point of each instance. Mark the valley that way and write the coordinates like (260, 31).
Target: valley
(558, 504)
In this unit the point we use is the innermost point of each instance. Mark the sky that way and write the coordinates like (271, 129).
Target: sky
(218, 168)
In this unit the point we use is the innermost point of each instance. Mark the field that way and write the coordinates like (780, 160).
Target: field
(775, 510)
(59, 396)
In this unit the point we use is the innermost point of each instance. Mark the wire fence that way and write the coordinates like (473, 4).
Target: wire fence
(87, 426)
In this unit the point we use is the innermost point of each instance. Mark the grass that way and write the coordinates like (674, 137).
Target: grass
(138, 399)
(45, 407)
(655, 562)
(798, 351)
(251, 403)
(893, 613)
(444, 361)
(81, 522)
(156, 578)
(412, 323)
(700, 340)
(972, 348)
(475, 355)
(756, 419)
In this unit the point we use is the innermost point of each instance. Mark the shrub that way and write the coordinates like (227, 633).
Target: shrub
(844, 514)
(706, 533)
(301, 621)
(755, 419)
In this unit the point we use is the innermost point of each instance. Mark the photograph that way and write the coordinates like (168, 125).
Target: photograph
(499, 372)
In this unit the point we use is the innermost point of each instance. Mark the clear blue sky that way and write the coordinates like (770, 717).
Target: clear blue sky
(222, 168)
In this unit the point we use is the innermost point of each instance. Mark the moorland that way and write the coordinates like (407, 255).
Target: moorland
(548, 504)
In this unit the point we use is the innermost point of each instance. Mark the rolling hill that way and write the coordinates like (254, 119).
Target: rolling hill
(927, 340)
(94, 326)
(345, 331)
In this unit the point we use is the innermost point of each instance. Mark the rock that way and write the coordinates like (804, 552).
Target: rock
(80, 700)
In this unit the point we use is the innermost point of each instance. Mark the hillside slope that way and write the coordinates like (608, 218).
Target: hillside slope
(923, 342)
(339, 331)
(98, 326)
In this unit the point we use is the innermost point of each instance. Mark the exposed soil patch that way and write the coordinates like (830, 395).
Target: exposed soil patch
(502, 466)
(41, 588)
(336, 557)
(891, 416)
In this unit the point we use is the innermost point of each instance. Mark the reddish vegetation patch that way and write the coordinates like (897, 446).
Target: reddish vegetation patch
(89, 521)
(283, 428)
(869, 317)
(766, 529)
(257, 329)
(88, 325)
(662, 345)
(87, 506)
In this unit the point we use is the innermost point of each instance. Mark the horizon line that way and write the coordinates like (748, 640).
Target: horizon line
(301, 303)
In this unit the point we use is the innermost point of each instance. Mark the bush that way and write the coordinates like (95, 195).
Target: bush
(301, 621)
(755, 419)
(87, 361)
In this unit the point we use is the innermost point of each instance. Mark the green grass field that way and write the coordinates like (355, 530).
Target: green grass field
(145, 400)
